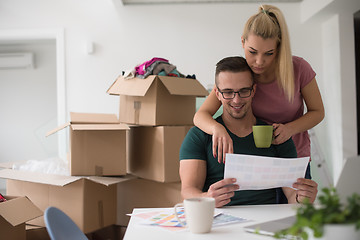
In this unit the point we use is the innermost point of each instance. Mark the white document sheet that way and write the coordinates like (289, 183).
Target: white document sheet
(257, 172)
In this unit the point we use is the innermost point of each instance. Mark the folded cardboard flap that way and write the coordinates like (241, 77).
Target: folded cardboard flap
(91, 120)
(57, 180)
(18, 210)
(175, 86)
(100, 127)
(184, 86)
(131, 87)
(57, 129)
(94, 118)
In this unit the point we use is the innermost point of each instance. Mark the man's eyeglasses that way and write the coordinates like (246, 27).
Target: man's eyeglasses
(243, 93)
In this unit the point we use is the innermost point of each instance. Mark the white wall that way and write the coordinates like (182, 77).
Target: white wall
(28, 105)
(193, 37)
(328, 44)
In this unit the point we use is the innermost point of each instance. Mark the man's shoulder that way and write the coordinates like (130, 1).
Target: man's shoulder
(196, 133)
(194, 144)
(197, 130)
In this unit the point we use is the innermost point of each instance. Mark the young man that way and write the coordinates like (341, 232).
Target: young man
(200, 172)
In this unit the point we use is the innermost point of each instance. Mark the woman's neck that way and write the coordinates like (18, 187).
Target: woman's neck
(266, 77)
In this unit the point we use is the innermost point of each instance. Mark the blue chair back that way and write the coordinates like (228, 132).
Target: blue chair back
(60, 226)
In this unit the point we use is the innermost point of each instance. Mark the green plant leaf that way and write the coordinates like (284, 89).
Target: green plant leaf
(329, 210)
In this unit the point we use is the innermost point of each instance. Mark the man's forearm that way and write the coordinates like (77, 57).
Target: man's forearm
(192, 192)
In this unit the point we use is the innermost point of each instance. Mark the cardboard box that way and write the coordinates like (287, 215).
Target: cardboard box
(153, 152)
(142, 193)
(36, 233)
(157, 100)
(89, 201)
(97, 144)
(113, 232)
(13, 214)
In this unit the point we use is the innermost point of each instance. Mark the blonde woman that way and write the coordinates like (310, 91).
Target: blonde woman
(283, 83)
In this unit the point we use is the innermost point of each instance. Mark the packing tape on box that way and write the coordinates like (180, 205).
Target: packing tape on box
(99, 170)
(137, 107)
(101, 213)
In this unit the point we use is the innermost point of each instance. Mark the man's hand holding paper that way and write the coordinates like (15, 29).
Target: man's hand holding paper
(258, 172)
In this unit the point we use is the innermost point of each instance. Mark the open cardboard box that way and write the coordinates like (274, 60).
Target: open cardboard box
(97, 144)
(153, 152)
(13, 214)
(89, 201)
(157, 100)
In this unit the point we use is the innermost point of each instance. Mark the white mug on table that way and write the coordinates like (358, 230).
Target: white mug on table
(199, 214)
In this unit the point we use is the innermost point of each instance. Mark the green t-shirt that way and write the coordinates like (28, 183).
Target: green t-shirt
(198, 145)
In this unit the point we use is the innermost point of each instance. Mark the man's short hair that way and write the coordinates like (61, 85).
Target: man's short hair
(232, 64)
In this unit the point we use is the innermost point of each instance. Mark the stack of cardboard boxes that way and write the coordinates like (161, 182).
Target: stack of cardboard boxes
(97, 149)
(159, 111)
(114, 163)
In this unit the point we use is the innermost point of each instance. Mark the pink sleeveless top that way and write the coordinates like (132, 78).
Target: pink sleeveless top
(271, 105)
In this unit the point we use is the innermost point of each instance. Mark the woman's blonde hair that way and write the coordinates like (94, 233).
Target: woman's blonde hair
(269, 22)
